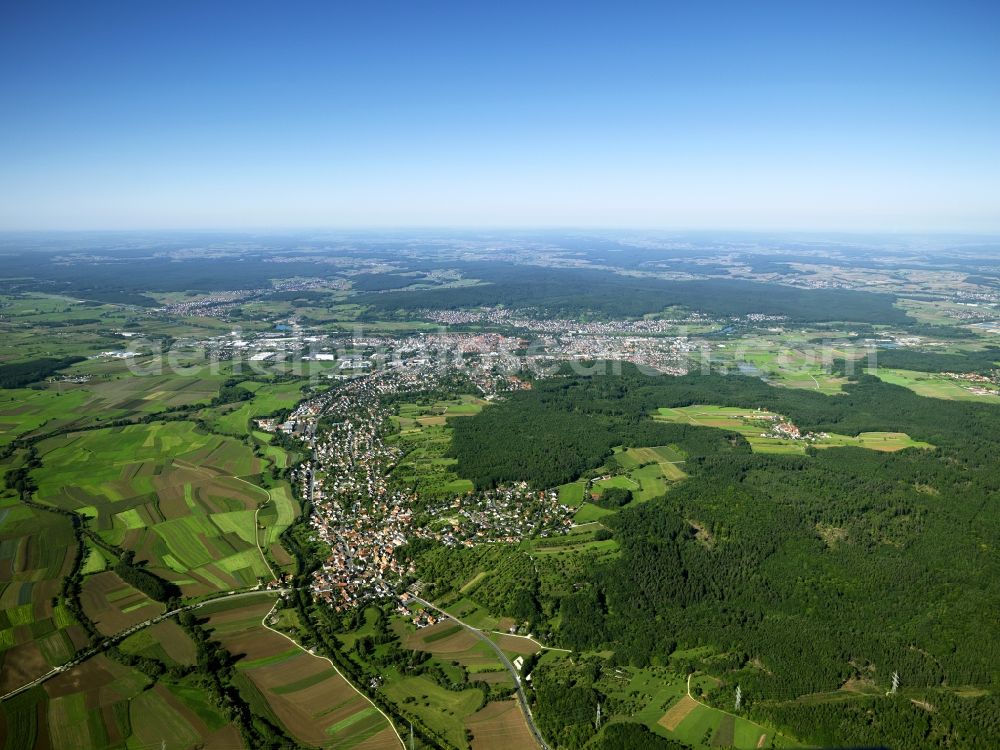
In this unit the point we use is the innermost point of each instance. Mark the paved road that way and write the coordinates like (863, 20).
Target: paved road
(525, 709)
(111, 640)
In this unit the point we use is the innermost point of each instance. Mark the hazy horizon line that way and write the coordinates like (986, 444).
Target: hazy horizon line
(424, 228)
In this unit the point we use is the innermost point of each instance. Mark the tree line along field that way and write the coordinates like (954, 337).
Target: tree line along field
(756, 424)
(424, 433)
(299, 691)
(104, 704)
(113, 393)
(649, 695)
(36, 551)
(935, 385)
(179, 493)
(182, 497)
(268, 398)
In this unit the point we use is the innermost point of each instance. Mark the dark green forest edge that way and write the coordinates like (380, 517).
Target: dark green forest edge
(803, 572)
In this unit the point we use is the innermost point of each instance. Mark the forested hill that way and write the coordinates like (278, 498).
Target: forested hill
(566, 425)
(808, 570)
(570, 292)
(983, 361)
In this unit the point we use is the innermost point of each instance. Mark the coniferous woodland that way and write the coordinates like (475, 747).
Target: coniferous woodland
(19, 374)
(805, 570)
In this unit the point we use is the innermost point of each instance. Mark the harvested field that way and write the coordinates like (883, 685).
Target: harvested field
(677, 713)
(512, 644)
(115, 606)
(20, 664)
(449, 644)
(304, 692)
(499, 726)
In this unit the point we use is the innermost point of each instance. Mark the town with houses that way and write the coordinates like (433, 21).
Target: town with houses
(492, 346)
(364, 516)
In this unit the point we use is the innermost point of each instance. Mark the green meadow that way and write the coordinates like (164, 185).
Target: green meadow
(425, 437)
(756, 426)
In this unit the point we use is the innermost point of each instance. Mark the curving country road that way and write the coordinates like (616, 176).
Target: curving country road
(525, 709)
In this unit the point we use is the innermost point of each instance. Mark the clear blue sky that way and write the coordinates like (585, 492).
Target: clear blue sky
(819, 115)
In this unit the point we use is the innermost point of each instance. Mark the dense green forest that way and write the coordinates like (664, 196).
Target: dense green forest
(628, 735)
(808, 570)
(536, 438)
(951, 721)
(910, 359)
(570, 292)
(18, 374)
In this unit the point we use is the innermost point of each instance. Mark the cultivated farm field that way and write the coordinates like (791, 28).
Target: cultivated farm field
(174, 495)
(304, 693)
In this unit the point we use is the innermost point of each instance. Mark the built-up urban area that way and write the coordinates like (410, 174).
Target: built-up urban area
(365, 516)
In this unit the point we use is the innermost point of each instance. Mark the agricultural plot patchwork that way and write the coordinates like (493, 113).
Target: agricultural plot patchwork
(165, 641)
(936, 385)
(268, 398)
(658, 697)
(304, 693)
(113, 605)
(648, 472)
(112, 393)
(36, 550)
(451, 642)
(184, 501)
(173, 495)
(499, 725)
(23, 410)
(443, 711)
(101, 703)
(699, 725)
(788, 361)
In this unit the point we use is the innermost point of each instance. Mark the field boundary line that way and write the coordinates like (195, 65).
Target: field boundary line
(256, 531)
(538, 643)
(116, 638)
(335, 669)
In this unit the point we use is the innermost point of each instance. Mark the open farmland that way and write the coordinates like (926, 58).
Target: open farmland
(36, 551)
(588, 513)
(112, 393)
(172, 494)
(658, 697)
(165, 641)
(937, 385)
(702, 726)
(305, 693)
(711, 541)
(451, 642)
(499, 725)
(572, 493)
(443, 711)
(101, 704)
(113, 605)
(268, 398)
